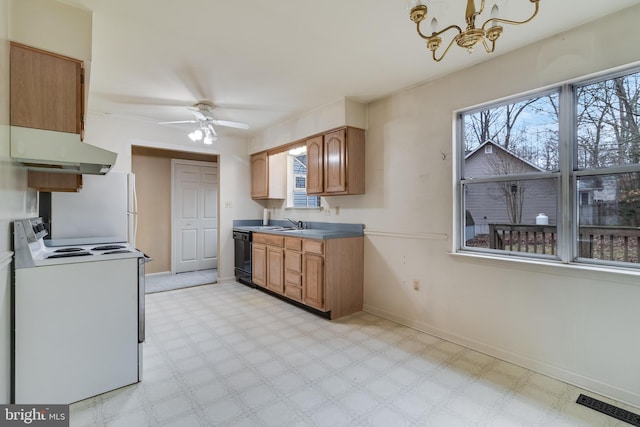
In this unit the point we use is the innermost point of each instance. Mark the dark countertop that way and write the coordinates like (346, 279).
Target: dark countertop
(312, 230)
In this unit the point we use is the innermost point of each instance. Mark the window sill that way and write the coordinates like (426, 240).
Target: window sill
(311, 208)
(616, 274)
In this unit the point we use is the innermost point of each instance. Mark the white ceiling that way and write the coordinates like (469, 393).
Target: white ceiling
(261, 62)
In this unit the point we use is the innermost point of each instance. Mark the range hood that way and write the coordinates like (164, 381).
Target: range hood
(50, 151)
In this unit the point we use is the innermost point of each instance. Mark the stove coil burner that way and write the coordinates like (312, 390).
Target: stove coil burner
(109, 248)
(66, 254)
(117, 251)
(67, 250)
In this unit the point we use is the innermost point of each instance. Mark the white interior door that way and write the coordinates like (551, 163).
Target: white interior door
(195, 218)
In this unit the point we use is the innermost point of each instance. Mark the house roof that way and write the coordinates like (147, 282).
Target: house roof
(510, 153)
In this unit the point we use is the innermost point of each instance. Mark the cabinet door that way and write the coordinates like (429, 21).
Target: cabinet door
(275, 269)
(259, 264)
(315, 165)
(335, 162)
(47, 90)
(313, 284)
(62, 182)
(259, 176)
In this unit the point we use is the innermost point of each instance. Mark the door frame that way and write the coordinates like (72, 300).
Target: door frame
(174, 162)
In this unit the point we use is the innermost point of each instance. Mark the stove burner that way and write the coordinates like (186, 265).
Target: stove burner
(118, 251)
(64, 250)
(67, 254)
(108, 248)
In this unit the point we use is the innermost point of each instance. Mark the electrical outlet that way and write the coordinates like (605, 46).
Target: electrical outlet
(227, 204)
(416, 284)
(337, 210)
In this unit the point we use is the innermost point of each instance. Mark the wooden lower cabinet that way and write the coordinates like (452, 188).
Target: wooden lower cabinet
(267, 262)
(326, 275)
(313, 290)
(259, 264)
(293, 268)
(275, 262)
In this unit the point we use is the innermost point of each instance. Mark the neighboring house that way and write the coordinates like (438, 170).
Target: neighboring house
(487, 203)
(598, 201)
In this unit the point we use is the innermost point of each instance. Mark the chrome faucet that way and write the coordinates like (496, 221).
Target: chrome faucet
(299, 224)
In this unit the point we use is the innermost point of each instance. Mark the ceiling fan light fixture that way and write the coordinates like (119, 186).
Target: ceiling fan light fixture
(196, 135)
(204, 120)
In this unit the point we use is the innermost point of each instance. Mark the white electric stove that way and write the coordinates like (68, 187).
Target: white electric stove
(78, 316)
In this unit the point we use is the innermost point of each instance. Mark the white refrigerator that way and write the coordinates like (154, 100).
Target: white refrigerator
(104, 209)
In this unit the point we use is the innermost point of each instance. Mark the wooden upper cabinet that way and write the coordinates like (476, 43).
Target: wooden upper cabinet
(315, 165)
(335, 163)
(268, 176)
(259, 176)
(47, 90)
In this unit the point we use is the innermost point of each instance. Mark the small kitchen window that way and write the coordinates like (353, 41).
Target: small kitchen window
(297, 180)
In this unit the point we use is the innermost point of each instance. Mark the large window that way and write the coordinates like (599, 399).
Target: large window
(555, 175)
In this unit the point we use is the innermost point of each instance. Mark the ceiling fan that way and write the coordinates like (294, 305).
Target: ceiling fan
(203, 116)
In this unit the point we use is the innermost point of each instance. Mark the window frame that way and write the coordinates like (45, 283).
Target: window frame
(567, 175)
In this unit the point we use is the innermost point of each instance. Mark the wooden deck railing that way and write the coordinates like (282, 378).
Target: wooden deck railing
(597, 242)
(610, 243)
(537, 239)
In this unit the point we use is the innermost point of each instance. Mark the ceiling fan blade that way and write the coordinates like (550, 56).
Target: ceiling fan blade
(227, 123)
(176, 122)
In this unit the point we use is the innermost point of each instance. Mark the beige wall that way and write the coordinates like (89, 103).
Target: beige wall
(153, 186)
(577, 324)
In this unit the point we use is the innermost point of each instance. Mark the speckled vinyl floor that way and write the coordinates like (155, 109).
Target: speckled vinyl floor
(228, 355)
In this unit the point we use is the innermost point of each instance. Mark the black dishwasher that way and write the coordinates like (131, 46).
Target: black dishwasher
(242, 249)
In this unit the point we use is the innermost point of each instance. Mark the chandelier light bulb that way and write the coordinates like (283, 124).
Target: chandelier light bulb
(495, 11)
(434, 25)
(208, 140)
(411, 4)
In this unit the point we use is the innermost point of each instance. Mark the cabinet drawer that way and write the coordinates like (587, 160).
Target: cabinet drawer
(293, 243)
(294, 279)
(313, 246)
(293, 261)
(293, 292)
(269, 239)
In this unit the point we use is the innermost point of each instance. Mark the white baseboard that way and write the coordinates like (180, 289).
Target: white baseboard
(161, 273)
(570, 377)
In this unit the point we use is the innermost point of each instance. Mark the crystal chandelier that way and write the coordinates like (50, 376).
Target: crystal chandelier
(486, 34)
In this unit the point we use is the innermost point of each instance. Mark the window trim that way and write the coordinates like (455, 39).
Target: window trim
(567, 175)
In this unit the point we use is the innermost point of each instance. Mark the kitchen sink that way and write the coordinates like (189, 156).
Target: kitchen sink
(275, 228)
(304, 231)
